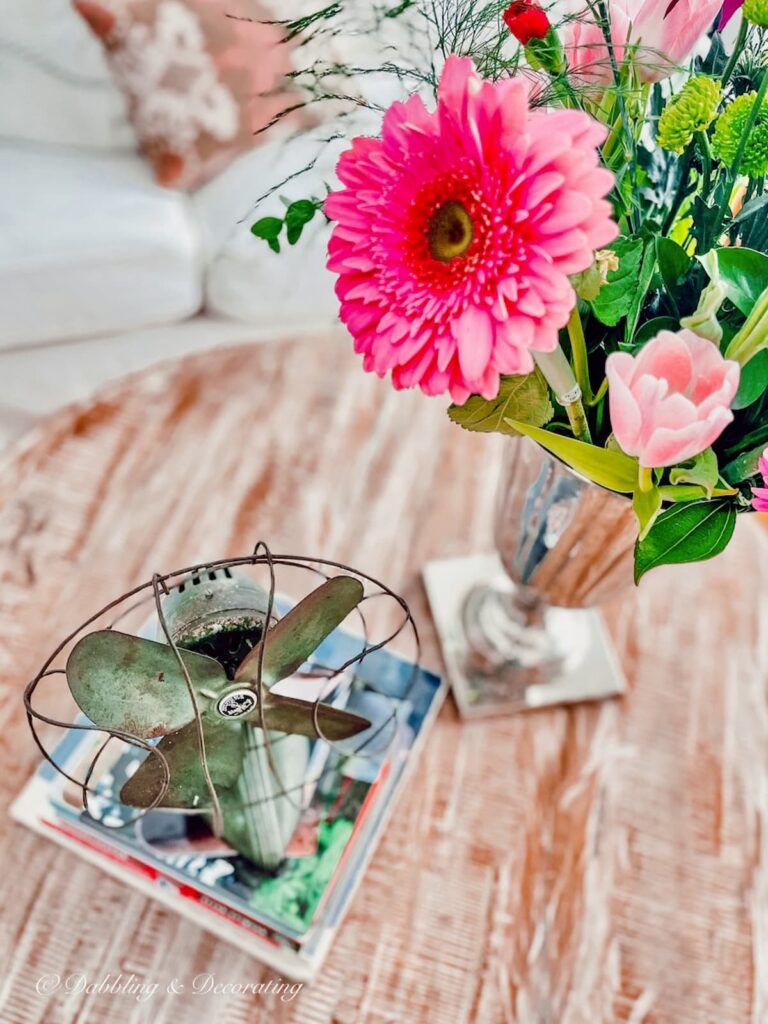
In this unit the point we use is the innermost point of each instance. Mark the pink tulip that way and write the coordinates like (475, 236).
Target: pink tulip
(672, 400)
(585, 47)
(667, 33)
(664, 31)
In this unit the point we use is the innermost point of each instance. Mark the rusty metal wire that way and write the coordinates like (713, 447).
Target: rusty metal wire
(152, 592)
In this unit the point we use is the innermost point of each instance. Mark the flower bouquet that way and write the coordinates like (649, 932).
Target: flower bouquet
(570, 239)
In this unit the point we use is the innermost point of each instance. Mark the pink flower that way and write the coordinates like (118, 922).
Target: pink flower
(672, 400)
(729, 9)
(760, 494)
(585, 49)
(457, 231)
(665, 33)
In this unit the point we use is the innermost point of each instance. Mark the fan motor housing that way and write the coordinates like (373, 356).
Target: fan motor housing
(217, 613)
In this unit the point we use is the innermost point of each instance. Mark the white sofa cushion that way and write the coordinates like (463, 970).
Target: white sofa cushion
(247, 281)
(55, 81)
(89, 244)
(292, 290)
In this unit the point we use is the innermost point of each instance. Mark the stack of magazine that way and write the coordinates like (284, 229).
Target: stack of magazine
(286, 918)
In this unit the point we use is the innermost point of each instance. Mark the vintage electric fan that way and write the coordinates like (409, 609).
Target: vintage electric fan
(201, 700)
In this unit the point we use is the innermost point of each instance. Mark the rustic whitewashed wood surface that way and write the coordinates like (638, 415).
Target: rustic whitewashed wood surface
(579, 866)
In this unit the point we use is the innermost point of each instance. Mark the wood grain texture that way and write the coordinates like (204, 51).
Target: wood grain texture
(578, 866)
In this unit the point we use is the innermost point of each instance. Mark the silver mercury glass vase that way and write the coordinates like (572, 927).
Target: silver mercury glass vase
(523, 630)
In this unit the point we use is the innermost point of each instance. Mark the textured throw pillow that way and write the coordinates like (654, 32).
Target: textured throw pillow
(202, 78)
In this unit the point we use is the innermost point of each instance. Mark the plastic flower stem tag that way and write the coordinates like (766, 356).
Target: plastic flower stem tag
(560, 377)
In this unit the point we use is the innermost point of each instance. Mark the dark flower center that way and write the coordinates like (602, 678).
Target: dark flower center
(449, 232)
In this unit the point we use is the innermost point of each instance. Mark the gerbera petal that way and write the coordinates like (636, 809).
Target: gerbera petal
(542, 186)
(570, 210)
(474, 335)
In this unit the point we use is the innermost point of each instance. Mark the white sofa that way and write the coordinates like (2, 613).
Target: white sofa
(90, 245)
(92, 248)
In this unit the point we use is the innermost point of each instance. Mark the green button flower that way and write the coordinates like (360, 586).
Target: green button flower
(729, 132)
(756, 11)
(692, 110)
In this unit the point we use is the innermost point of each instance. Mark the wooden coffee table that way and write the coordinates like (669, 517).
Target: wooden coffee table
(597, 864)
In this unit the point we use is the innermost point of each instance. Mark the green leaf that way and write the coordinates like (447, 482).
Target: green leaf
(750, 209)
(640, 290)
(753, 382)
(615, 298)
(613, 470)
(524, 397)
(680, 492)
(647, 506)
(137, 686)
(296, 216)
(395, 12)
(689, 532)
(302, 209)
(650, 329)
(702, 471)
(744, 273)
(674, 262)
(300, 632)
(707, 218)
(267, 227)
(743, 467)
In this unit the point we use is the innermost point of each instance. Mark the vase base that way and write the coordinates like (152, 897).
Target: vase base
(499, 663)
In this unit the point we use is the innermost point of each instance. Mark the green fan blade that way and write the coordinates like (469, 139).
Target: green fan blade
(298, 634)
(137, 686)
(286, 714)
(224, 751)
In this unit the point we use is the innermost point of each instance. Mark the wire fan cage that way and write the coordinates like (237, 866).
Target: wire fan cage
(228, 714)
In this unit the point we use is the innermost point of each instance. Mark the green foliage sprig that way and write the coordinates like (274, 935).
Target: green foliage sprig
(297, 215)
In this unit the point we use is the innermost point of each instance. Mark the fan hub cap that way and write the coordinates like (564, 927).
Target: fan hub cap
(236, 702)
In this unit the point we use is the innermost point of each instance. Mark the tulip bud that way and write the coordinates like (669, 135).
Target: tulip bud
(589, 283)
(704, 321)
(753, 336)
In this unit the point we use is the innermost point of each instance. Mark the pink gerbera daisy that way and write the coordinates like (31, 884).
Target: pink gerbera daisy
(458, 229)
(760, 494)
